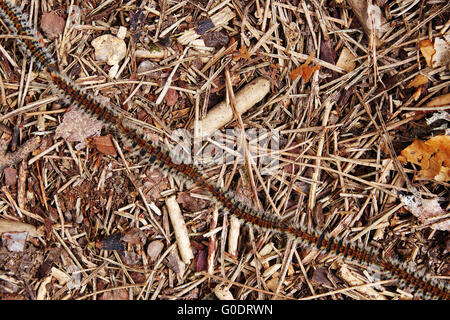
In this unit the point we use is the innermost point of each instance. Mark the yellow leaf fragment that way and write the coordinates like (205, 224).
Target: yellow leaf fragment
(433, 156)
(419, 80)
(346, 60)
(427, 50)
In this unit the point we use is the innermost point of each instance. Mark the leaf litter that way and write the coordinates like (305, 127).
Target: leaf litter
(104, 210)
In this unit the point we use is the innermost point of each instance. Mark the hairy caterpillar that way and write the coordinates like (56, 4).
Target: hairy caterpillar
(420, 285)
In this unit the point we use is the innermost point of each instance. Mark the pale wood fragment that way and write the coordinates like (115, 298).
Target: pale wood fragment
(222, 113)
(179, 227)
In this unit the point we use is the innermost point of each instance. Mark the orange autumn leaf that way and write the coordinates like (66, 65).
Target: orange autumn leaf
(419, 80)
(427, 49)
(104, 145)
(439, 101)
(232, 41)
(243, 53)
(436, 54)
(304, 70)
(308, 71)
(433, 156)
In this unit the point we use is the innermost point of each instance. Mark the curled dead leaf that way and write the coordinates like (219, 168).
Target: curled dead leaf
(346, 60)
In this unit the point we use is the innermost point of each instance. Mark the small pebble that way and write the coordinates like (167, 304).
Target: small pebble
(109, 48)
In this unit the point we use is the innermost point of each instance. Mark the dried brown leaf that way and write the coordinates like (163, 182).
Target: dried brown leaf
(119, 294)
(52, 24)
(134, 236)
(346, 60)
(171, 97)
(10, 176)
(154, 249)
(191, 203)
(427, 50)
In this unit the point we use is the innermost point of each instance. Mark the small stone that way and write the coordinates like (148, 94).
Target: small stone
(121, 33)
(109, 48)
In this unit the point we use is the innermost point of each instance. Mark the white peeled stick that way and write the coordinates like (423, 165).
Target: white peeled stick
(222, 113)
(179, 227)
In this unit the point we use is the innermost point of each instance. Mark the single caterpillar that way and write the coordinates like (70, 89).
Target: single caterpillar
(418, 284)
(17, 22)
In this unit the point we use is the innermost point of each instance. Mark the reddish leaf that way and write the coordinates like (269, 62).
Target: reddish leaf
(216, 39)
(104, 145)
(171, 97)
(200, 260)
(134, 236)
(243, 53)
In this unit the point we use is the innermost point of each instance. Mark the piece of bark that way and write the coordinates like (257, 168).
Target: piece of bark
(12, 158)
